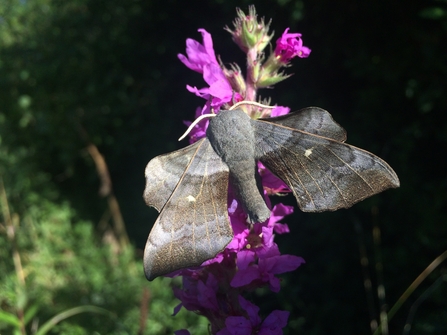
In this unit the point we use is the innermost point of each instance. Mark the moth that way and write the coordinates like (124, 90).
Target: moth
(189, 187)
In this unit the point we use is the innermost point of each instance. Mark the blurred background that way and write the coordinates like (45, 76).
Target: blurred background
(91, 90)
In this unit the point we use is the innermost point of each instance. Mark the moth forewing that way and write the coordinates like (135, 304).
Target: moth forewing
(193, 225)
(163, 174)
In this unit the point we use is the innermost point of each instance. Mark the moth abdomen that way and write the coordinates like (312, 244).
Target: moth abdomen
(231, 135)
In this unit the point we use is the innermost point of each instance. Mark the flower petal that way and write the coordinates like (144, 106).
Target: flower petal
(274, 323)
(199, 55)
(238, 325)
(289, 46)
(245, 277)
(252, 311)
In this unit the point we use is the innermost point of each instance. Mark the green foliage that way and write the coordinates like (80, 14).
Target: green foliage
(57, 273)
(68, 271)
(67, 268)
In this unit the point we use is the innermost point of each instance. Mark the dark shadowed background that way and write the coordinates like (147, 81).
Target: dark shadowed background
(76, 75)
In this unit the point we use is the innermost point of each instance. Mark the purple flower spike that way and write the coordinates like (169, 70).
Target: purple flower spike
(289, 46)
(199, 55)
(252, 259)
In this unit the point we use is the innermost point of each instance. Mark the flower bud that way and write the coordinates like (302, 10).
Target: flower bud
(248, 33)
(235, 78)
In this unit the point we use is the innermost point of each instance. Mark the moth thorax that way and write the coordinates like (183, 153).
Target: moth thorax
(231, 136)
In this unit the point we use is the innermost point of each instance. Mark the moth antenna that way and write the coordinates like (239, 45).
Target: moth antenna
(251, 103)
(196, 121)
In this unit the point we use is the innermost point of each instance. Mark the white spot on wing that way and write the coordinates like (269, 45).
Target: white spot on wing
(308, 152)
(190, 198)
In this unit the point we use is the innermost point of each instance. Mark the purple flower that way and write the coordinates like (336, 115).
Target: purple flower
(279, 110)
(207, 296)
(199, 55)
(240, 231)
(199, 131)
(264, 272)
(189, 292)
(276, 265)
(240, 325)
(260, 264)
(272, 184)
(219, 90)
(202, 59)
(274, 323)
(278, 213)
(251, 309)
(289, 46)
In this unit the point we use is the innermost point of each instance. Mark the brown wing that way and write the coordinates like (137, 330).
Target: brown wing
(193, 225)
(323, 173)
(163, 174)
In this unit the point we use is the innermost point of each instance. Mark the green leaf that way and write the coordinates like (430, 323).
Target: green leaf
(9, 318)
(47, 326)
(30, 312)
